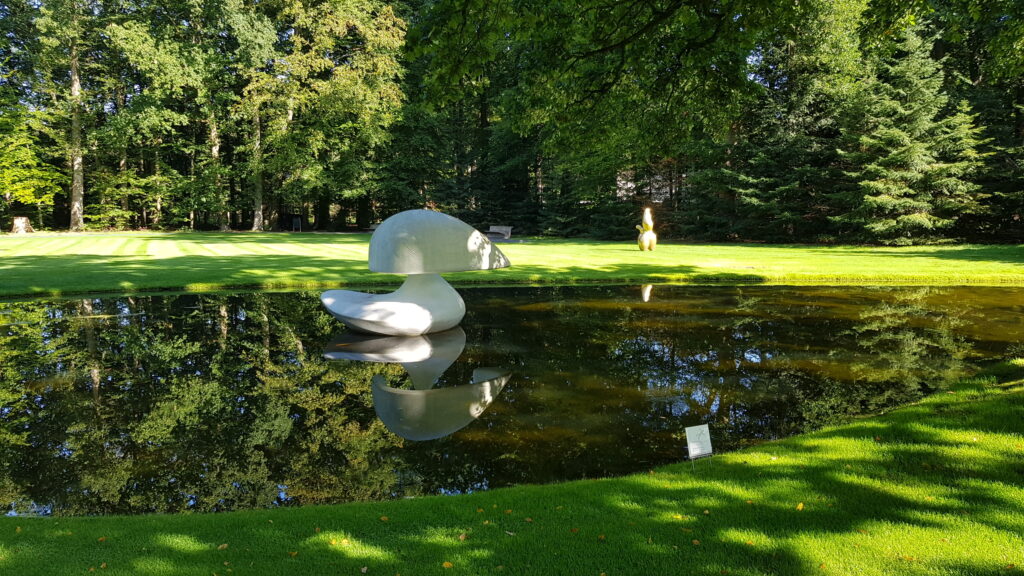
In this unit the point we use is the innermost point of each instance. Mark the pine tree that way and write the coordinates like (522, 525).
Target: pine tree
(908, 166)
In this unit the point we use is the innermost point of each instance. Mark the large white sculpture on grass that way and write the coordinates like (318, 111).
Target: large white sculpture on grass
(422, 244)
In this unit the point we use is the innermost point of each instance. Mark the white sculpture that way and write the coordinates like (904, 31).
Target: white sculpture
(422, 413)
(430, 414)
(425, 357)
(422, 244)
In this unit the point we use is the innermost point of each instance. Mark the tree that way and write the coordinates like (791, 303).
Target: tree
(24, 177)
(67, 32)
(908, 164)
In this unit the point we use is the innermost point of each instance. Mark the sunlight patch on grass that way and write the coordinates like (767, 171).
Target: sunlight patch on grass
(182, 543)
(154, 566)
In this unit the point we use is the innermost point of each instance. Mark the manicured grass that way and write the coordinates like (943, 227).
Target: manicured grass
(934, 488)
(68, 263)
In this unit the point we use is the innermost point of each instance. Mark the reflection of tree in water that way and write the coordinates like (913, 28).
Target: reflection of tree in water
(909, 343)
(791, 364)
(198, 402)
(214, 402)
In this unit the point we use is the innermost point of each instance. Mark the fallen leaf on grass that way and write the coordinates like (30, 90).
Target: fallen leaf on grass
(364, 569)
(463, 536)
(383, 518)
(222, 547)
(800, 506)
(479, 510)
(529, 519)
(574, 530)
(696, 542)
(510, 533)
(448, 565)
(707, 511)
(677, 516)
(103, 566)
(101, 539)
(600, 537)
(293, 554)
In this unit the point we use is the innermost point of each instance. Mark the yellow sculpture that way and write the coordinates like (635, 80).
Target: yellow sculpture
(647, 238)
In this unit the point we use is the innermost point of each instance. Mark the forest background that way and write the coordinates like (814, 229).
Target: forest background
(815, 121)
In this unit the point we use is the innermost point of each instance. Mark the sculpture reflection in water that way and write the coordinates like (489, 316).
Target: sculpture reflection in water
(422, 413)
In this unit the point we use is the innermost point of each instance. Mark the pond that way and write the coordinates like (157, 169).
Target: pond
(211, 402)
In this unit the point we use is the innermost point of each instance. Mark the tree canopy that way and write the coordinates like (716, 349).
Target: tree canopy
(823, 121)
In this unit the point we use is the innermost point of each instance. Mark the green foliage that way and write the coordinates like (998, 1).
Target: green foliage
(550, 117)
(24, 177)
(909, 165)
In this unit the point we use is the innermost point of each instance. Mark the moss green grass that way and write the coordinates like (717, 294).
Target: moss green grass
(934, 488)
(124, 262)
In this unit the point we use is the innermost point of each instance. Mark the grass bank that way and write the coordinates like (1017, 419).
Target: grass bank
(934, 488)
(76, 263)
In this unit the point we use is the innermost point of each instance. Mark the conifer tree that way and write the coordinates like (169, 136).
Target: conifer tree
(908, 165)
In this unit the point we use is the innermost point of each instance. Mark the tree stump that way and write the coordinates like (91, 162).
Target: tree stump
(22, 225)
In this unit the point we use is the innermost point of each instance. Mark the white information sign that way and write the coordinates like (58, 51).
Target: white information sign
(698, 441)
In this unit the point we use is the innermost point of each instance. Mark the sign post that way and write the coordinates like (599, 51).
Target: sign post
(698, 442)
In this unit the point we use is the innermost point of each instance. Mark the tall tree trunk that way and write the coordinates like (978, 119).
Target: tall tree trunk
(257, 174)
(223, 217)
(159, 195)
(539, 166)
(75, 144)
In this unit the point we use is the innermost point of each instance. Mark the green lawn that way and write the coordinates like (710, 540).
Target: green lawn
(934, 488)
(65, 263)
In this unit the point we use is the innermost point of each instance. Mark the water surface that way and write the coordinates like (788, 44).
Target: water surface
(208, 402)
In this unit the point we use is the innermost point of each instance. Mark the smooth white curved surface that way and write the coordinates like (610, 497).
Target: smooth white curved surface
(425, 357)
(422, 241)
(424, 303)
(430, 414)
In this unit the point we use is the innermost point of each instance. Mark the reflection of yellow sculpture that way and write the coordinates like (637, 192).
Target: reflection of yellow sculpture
(647, 238)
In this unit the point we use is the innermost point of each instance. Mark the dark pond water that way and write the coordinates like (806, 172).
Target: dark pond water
(223, 401)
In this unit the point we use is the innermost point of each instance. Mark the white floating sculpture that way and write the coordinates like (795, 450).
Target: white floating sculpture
(647, 239)
(422, 244)
(425, 357)
(430, 414)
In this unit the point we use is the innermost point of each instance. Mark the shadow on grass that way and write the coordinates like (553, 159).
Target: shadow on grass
(901, 493)
(54, 275)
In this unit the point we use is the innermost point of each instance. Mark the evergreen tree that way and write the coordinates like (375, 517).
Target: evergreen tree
(908, 166)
